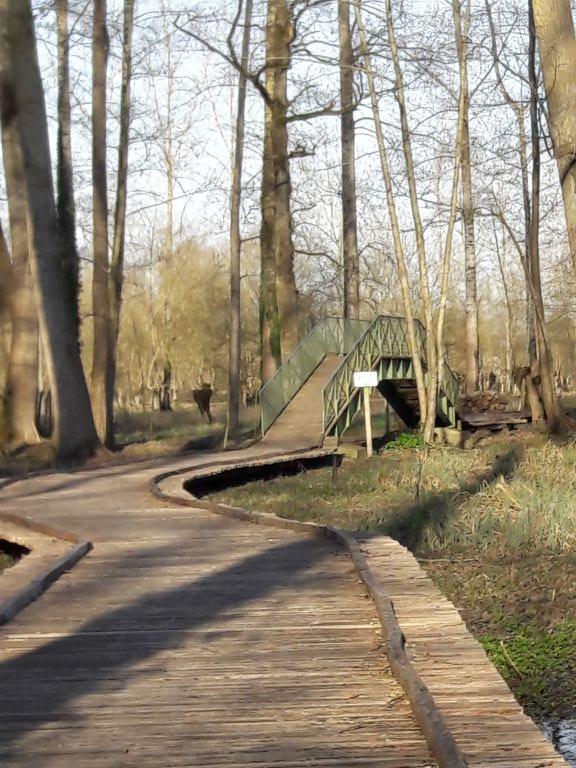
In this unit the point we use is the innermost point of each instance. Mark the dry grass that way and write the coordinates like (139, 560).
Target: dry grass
(503, 497)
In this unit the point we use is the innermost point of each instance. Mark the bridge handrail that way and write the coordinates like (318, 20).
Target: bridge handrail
(386, 336)
(450, 384)
(332, 335)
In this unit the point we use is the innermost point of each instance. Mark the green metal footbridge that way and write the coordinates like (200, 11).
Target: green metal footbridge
(312, 396)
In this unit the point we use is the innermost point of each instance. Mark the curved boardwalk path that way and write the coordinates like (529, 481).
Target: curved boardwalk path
(187, 639)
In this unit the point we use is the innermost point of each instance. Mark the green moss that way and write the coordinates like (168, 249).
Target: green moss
(540, 667)
(406, 440)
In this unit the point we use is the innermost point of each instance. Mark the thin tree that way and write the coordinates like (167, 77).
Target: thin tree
(412, 333)
(554, 27)
(350, 256)
(168, 145)
(116, 280)
(235, 235)
(501, 256)
(447, 254)
(100, 292)
(518, 110)
(472, 339)
(22, 104)
(429, 416)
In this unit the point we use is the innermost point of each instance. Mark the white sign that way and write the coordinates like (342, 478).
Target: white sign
(365, 379)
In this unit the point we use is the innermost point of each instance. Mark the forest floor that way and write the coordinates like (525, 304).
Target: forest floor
(142, 435)
(495, 527)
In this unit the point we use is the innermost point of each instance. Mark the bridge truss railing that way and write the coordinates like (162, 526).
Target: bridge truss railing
(386, 336)
(331, 336)
(384, 341)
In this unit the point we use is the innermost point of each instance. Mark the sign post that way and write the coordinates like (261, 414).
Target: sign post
(367, 380)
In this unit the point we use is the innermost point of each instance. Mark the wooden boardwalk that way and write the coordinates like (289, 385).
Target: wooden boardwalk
(301, 425)
(185, 639)
(477, 706)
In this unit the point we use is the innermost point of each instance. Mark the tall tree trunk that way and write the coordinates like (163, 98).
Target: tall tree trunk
(116, 280)
(554, 27)
(5, 325)
(22, 105)
(472, 343)
(412, 331)
(447, 255)
(518, 109)
(103, 408)
(168, 148)
(5, 279)
(22, 374)
(347, 138)
(501, 255)
(65, 206)
(235, 237)
(276, 232)
(429, 419)
(545, 366)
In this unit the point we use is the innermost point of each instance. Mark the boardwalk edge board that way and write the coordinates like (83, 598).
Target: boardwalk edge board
(439, 737)
(22, 597)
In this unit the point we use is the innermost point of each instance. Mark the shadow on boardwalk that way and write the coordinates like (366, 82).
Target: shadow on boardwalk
(39, 687)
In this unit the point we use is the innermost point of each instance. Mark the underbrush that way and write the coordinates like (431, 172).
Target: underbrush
(505, 496)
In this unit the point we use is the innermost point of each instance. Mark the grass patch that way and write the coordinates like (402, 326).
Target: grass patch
(157, 432)
(139, 436)
(494, 527)
(540, 666)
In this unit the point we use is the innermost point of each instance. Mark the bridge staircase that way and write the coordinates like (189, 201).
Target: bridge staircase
(312, 399)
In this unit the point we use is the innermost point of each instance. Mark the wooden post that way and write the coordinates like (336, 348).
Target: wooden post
(368, 421)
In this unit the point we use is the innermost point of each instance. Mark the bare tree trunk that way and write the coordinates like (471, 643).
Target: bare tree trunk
(235, 236)
(276, 232)
(472, 343)
(429, 421)
(116, 280)
(5, 287)
(22, 374)
(554, 27)
(545, 367)
(509, 350)
(103, 408)
(447, 256)
(394, 223)
(518, 109)
(350, 256)
(169, 136)
(22, 104)
(65, 206)
(5, 325)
